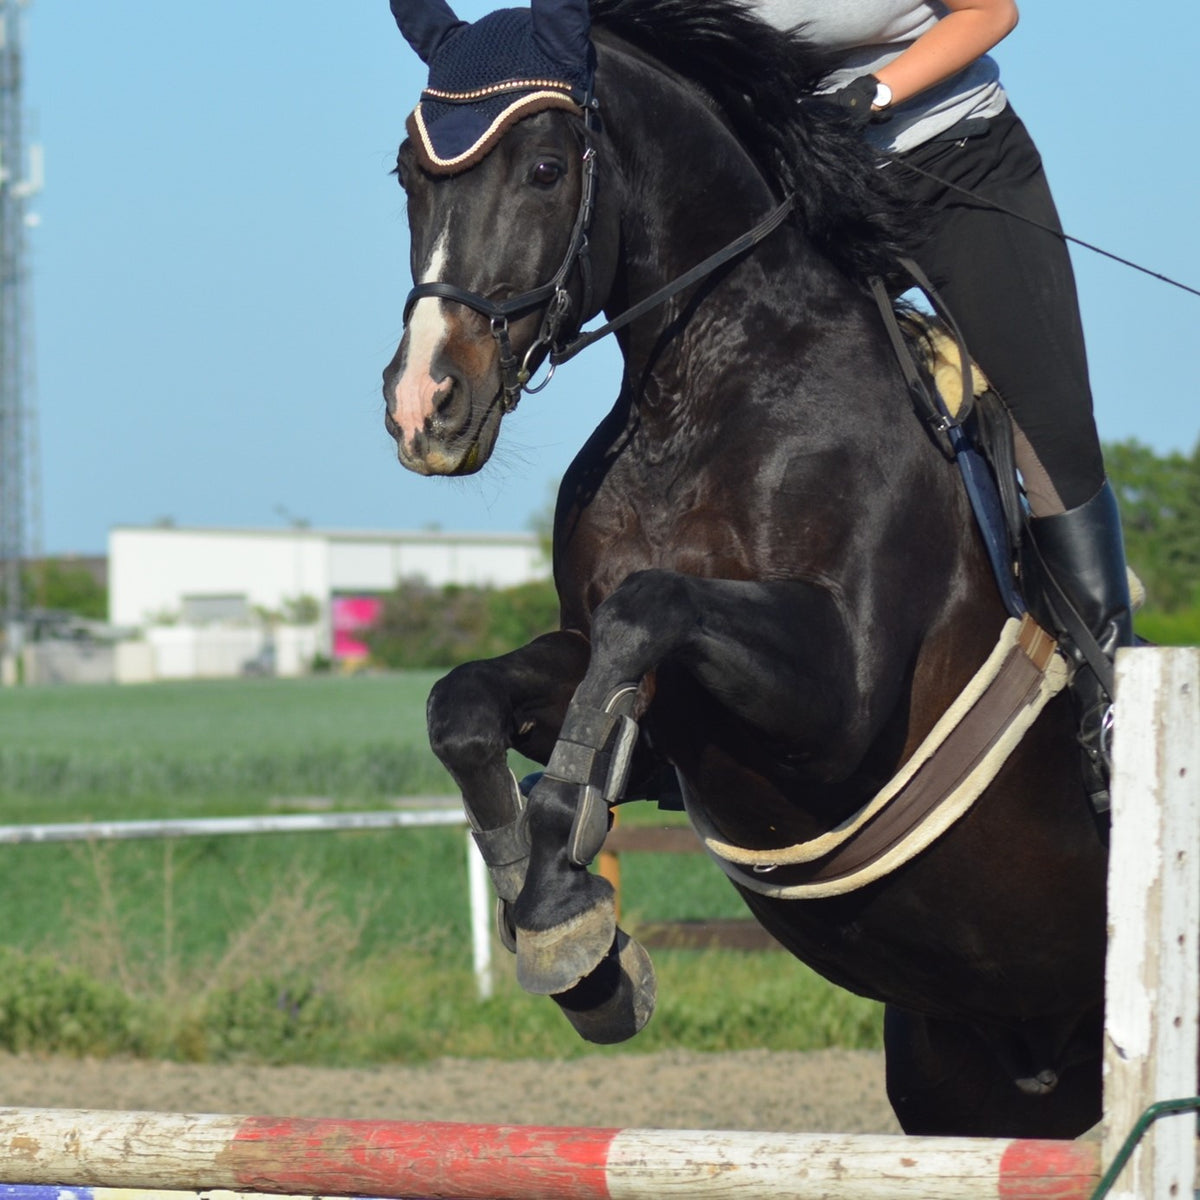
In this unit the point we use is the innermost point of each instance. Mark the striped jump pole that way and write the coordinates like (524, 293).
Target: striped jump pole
(450, 1161)
(50, 1191)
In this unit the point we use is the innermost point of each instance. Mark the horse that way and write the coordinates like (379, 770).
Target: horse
(771, 583)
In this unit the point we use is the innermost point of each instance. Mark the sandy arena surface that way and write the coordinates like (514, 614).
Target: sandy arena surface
(829, 1090)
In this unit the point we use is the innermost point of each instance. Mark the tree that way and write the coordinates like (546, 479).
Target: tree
(422, 626)
(66, 587)
(1159, 498)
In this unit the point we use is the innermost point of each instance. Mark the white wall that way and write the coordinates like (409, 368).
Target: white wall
(152, 570)
(365, 564)
(67, 662)
(184, 652)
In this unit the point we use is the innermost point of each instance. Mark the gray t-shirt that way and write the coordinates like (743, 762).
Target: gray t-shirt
(870, 33)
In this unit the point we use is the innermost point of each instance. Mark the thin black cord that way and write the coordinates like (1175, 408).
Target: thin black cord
(901, 162)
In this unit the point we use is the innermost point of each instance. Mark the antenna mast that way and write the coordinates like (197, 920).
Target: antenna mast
(17, 431)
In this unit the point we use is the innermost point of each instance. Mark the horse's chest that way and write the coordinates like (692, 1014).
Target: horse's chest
(696, 541)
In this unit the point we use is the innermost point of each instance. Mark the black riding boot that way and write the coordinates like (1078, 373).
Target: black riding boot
(1084, 551)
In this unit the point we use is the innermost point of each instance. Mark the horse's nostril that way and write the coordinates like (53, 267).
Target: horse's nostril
(443, 395)
(449, 401)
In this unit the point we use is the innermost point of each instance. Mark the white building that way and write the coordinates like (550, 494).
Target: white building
(195, 593)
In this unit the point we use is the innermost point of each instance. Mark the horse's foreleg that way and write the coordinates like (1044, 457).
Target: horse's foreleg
(769, 652)
(475, 714)
(481, 710)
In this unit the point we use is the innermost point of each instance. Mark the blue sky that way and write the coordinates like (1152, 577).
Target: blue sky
(221, 261)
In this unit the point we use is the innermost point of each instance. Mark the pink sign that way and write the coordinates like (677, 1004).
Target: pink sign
(352, 615)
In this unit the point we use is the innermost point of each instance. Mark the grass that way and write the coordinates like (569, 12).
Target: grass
(107, 752)
(340, 948)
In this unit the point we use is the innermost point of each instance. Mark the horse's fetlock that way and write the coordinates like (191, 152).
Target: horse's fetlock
(505, 851)
(592, 757)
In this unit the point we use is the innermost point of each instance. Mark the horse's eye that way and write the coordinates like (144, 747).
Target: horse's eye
(546, 173)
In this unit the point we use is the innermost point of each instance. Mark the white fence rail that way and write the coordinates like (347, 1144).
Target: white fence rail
(406, 818)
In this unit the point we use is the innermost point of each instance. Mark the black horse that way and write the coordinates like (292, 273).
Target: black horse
(769, 574)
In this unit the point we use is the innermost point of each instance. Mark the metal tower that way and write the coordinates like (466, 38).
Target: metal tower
(17, 502)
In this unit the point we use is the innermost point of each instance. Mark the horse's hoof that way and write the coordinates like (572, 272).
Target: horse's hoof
(1041, 1084)
(554, 960)
(617, 999)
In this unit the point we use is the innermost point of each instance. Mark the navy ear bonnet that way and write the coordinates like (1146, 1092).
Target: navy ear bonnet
(486, 76)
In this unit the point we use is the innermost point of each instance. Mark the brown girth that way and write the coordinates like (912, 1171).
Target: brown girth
(946, 775)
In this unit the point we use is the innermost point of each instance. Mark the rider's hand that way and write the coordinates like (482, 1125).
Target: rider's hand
(858, 99)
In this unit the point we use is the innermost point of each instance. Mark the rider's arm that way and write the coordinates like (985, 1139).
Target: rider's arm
(969, 29)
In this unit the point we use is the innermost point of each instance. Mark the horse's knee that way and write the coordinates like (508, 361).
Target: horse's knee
(465, 719)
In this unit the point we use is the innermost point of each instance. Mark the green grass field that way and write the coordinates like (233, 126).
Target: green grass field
(333, 948)
(192, 748)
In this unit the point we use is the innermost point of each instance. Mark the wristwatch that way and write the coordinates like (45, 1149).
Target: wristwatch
(883, 97)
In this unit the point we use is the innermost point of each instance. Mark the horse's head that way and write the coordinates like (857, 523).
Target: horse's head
(499, 176)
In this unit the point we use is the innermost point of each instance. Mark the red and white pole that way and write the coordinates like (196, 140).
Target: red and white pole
(450, 1161)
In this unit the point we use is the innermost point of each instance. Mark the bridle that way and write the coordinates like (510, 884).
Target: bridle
(514, 374)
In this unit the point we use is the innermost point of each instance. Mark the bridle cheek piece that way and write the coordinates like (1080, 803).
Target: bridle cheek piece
(515, 374)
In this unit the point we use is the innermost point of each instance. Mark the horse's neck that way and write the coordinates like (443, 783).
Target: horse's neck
(687, 188)
(687, 185)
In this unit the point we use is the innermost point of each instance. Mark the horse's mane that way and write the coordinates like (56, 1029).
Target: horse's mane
(755, 74)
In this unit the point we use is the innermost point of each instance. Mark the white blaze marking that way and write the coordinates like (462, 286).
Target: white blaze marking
(413, 398)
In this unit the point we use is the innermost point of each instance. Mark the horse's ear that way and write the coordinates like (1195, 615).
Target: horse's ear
(560, 29)
(425, 24)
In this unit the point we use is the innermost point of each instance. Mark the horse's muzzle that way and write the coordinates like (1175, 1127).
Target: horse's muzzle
(442, 397)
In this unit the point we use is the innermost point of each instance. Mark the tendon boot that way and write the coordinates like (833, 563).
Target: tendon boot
(1084, 553)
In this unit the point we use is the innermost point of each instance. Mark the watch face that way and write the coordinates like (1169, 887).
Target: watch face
(883, 96)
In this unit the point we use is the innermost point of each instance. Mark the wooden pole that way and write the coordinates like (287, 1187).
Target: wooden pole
(1152, 981)
(447, 1161)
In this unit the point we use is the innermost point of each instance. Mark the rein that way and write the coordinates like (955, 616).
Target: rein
(514, 375)
(734, 249)
(900, 161)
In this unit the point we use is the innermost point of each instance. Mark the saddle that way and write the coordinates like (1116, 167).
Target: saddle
(969, 399)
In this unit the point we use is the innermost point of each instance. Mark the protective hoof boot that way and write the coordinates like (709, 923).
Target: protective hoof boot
(617, 999)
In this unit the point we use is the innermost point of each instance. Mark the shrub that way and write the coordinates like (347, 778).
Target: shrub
(46, 1006)
(267, 1020)
(421, 626)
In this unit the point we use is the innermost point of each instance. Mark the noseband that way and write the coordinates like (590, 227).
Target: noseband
(514, 375)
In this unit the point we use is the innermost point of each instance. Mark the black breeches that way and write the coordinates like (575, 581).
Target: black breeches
(1011, 288)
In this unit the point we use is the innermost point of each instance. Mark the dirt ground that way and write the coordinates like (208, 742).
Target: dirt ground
(757, 1090)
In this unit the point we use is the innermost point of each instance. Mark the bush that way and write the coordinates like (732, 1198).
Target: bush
(421, 626)
(266, 1020)
(48, 1007)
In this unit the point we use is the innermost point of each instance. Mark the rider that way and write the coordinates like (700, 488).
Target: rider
(915, 75)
